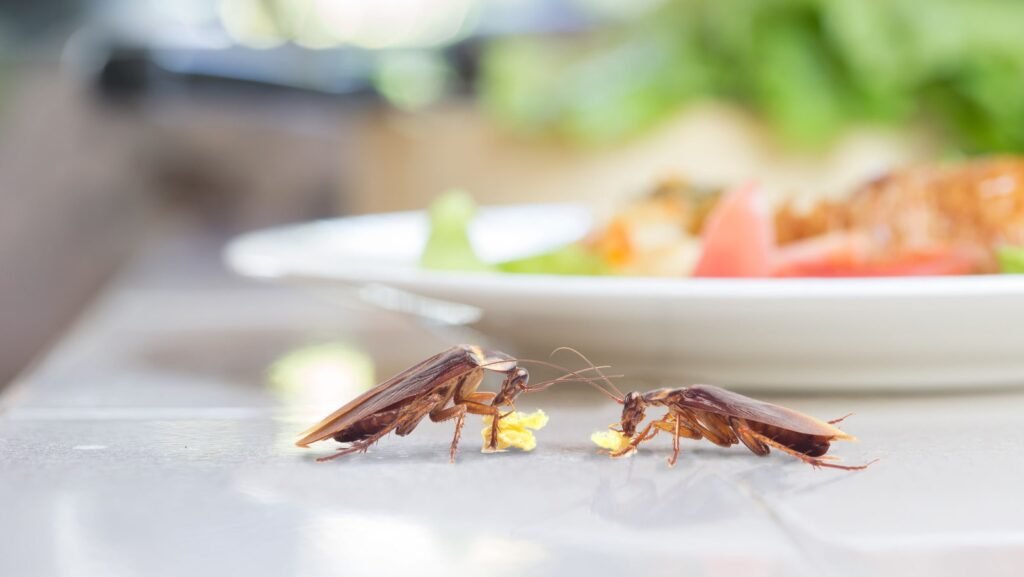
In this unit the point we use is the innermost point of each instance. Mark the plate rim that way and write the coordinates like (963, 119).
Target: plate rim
(237, 255)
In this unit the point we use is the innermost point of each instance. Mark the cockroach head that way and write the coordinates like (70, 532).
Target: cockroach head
(515, 384)
(633, 407)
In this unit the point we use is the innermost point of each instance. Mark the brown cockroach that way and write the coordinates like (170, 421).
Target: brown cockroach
(725, 418)
(443, 386)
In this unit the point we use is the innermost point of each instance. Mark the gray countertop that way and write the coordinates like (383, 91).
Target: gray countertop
(151, 442)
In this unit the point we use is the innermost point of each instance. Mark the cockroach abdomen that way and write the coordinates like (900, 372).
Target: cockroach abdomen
(367, 427)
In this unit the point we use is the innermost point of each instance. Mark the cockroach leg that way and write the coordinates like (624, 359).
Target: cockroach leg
(475, 402)
(649, 436)
(686, 427)
(358, 446)
(679, 427)
(441, 414)
(459, 421)
(675, 446)
(477, 397)
(715, 429)
(481, 409)
(840, 419)
(816, 462)
(493, 441)
(457, 412)
(646, 434)
(749, 440)
(412, 414)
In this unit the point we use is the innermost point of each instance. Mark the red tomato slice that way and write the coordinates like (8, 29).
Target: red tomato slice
(812, 256)
(739, 237)
(934, 262)
(739, 241)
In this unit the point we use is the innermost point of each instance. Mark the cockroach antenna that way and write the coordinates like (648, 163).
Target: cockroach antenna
(570, 375)
(612, 392)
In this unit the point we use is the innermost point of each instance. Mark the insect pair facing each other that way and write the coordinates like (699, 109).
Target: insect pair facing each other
(444, 387)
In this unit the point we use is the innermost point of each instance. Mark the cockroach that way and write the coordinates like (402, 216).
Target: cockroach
(725, 418)
(443, 387)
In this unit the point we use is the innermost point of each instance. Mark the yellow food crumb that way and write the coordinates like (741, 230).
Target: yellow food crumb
(514, 430)
(611, 439)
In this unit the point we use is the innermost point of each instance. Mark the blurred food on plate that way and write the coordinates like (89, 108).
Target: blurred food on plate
(933, 219)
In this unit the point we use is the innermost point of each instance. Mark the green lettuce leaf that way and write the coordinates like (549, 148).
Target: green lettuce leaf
(448, 246)
(1011, 259)
(572, 259)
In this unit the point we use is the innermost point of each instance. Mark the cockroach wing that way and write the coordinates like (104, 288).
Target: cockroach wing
(415, 381)
(729, 404)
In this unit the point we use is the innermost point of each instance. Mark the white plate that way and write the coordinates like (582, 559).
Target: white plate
(780, 334)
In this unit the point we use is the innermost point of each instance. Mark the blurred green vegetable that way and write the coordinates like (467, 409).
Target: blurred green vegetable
(569, 260)
(1011, 259)
(810, 67)
(448, 246)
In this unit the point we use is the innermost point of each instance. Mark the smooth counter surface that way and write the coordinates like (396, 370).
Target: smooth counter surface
(157, 439)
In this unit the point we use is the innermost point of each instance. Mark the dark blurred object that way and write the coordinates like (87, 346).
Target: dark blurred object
(278, 73)
(27, 23)
(412, 53)
(125, 74)
(70, 176)
(87, 176)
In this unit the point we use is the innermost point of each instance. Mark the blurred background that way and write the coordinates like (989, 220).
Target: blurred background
(122, 121)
